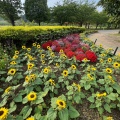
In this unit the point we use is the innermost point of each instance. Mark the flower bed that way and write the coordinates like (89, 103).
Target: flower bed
(50, 84)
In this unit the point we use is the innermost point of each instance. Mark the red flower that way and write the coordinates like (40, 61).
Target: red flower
(91, 56)
(80, 57)
(44, 45)
(57, 49)
(70, 54)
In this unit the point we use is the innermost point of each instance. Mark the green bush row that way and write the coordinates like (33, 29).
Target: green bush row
(23, 34)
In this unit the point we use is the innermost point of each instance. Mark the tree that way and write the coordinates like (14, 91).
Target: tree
(112, 7)
(36, 10)
(65, 13)
(10, 10)
(99, 18)
(85, 9)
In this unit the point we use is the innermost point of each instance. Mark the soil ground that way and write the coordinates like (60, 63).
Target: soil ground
(108, 39)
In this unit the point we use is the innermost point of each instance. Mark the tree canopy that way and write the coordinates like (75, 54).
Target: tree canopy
(36, 10)
(10, 10)
(112, 7)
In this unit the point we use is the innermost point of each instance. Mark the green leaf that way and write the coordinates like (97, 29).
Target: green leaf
(92, 106)
(91, 99)
(4, 101)
(107, 108)
(9, 78)
(63, 114)
(19, 118)
(101, 81)
(73, 113)
(12, 107)
(27, 113)
(101, 110)
(51, 114)
(116, 87)
(18, 98)
(1, 89)
(112, 96)
(2, 72)
(19, 76)
(87, 87)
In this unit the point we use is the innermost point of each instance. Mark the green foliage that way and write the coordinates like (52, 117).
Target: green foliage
(112, 7)
(36, 10)
(21, 35)
(9, 10)
(3, 58)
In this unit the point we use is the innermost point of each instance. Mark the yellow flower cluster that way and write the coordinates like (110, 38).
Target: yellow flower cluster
(78, 86)
(31, 77)
(101, 95)
(52, 82)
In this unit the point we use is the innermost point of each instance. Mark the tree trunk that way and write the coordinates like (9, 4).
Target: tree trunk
(96, 26)
(88, 25)
(81, 24)
(13, 22)
(39, 23)
(85, 25)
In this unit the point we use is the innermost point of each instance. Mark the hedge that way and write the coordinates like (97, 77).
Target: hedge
(22, 34)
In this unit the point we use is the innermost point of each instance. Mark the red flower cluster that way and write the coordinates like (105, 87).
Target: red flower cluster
(72, 46)
(91, 56)
(48, 43)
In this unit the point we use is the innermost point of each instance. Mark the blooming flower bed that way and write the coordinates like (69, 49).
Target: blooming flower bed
(50, 83)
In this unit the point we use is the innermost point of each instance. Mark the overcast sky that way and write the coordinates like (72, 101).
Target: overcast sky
(52, 3)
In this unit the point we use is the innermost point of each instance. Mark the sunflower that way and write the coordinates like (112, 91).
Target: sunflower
(109, 60)
(30, 66)
(52, 82)
(46, 70)
(48, 47)
(28, 49)
(57, 65)
(27, 78)
(65, 73)
(43, 61)
(85, 60)
(61, 51)
(109, 118)
(32, 76)
(13, 63)
(90, 76)
(42, 55)
(93, 69)
(3, 113)
(23, 47)
(32, 96)
(108, 70)
(7, 90)
(38, 46)
(101, 95)
(61, 104)
(16, 52)
(15, 56)
(11, 71)
(78, 86)
(116, 65)
(52, 54)
(101, 60)
(30, 118)
(34, 44)
(73, 67)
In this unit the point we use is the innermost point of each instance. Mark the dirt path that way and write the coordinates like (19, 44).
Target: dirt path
(108, 39)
